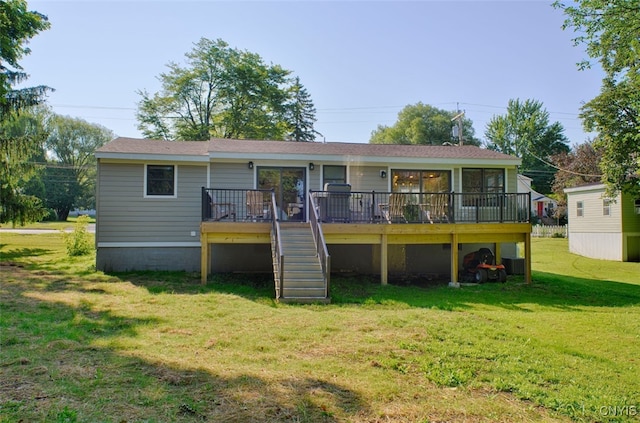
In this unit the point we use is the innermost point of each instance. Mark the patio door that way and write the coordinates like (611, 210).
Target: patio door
(289, 186)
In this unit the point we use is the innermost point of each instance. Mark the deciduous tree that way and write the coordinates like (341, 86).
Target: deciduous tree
(423, 124)
(610, 32)
(222, 92)
(71, 166)
(577, 167)
(525, 132)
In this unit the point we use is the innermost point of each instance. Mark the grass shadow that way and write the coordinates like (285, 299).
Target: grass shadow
(66, 360)
(21, 253)
(547, 289)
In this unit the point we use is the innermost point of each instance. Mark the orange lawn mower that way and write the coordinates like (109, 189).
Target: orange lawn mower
(480, 266)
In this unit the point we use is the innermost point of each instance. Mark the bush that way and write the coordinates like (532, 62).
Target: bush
(79, 242)
(557, 235)
(51, 216)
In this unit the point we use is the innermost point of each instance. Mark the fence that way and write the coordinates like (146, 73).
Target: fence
(549, 231)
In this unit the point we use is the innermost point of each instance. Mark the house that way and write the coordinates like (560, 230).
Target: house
(542, 207)
(305, 210)
(601, 227)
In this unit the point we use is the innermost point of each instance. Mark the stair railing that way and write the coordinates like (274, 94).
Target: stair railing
(321, 245)
(276, 241)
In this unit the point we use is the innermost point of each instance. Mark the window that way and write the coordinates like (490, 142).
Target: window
(334, 175)
(606, 207)
(482, 182)
(637, 206)
(420, 181)
(160, 180)
(579, 209)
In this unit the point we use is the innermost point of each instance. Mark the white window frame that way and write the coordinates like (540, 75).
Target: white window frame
(579, 208)
(606, 207)
(175, 181)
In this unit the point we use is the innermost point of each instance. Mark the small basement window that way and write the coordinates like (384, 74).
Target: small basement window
(160, 180)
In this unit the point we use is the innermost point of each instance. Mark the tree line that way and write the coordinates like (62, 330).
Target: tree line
(48, 167)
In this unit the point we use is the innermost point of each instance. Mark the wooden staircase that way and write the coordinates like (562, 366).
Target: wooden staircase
(302, 278)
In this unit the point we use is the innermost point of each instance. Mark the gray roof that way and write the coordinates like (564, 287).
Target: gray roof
(226, 147)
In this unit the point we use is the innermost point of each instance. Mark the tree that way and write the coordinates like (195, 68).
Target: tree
(20, 137)
(71, 169)
(525, 132)
(423, 124)
(301, 114)
(609, 31)
(577, 167)
(17, 26)
(224, 92)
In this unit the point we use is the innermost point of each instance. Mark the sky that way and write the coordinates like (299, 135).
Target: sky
(360, 61)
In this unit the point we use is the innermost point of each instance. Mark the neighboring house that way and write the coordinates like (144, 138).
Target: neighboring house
(542, 206)
(370, 209)
(603, 228)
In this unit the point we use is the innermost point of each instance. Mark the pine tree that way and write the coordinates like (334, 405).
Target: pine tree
(302, 114)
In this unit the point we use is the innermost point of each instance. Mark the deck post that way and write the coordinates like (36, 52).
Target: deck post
(454, 259)
(527, 257)
(384, 277)
(204, 257)
(498, 252)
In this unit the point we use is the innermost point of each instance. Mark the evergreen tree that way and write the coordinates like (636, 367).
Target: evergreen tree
(20, 136)
(302, 114)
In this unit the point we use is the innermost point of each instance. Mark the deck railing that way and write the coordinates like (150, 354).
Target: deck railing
(219, 204)
(371, 206)
(276, 249)
(448, 207)
(321, 245)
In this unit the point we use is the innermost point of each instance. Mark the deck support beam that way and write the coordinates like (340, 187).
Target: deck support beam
(204, 258)
(454, 258)
(527, 257)
(384, 256)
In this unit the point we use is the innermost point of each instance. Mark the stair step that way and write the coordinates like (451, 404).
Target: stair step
(303, 292)
(302, 277)
(297, 281)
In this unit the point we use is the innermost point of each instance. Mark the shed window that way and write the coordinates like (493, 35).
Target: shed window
(579, 209)
(160, 180)
(606, 207)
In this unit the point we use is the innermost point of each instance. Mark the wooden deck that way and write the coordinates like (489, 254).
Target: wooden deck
(381, 234)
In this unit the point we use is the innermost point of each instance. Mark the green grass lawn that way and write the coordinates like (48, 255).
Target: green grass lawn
(77, 345)
(68, 224)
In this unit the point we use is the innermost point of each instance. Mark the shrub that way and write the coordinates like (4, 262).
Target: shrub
(79, 242)
(557, 235)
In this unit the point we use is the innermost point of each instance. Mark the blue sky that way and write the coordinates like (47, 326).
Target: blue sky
(361, 61)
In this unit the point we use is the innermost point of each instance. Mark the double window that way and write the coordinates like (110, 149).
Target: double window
(484, 183)
(160, 180)
(421, 181)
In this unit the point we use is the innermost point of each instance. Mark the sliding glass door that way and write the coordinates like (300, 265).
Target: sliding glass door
(289, 186)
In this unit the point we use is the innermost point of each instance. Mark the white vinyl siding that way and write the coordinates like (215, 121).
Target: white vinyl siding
(592, 219)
